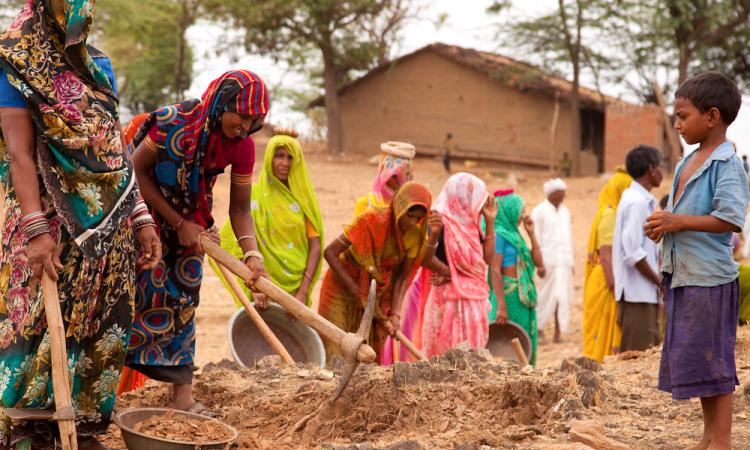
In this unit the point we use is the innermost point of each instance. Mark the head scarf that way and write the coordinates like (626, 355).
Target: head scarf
(554, 185)
(460, 203)
(184, 130)
(279, 215)
(84, 168)
(396, 161)
(609, 197)
(370, 231)
(509, 209)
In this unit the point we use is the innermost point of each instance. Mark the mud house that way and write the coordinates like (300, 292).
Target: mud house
(496, 108)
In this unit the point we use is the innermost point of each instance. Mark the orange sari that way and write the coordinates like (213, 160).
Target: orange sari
(377, 251)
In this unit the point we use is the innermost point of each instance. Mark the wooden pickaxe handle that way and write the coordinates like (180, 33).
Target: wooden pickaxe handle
(263, 327)
(520, 354)
(410, 346)
(365, 353)
(59, 359)
(399, 336)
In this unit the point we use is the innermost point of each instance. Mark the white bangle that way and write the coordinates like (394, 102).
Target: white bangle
(253, 253)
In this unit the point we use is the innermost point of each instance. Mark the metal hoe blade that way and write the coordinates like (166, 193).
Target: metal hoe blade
(352, 342)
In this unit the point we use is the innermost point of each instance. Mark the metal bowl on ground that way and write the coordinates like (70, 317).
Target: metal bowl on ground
(135, 440)
(499, 343)
(248, 345)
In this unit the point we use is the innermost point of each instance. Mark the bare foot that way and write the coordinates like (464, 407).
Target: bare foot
(714, 446)
(719, 447)
(702, 445)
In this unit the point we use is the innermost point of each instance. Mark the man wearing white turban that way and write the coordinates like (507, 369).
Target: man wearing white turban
(555, 282)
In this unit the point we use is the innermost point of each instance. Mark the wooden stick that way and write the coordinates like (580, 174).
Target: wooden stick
(519, 352)
(59, 359)
(365, 353)
(263, 327)
(407, 343)
(410, 346)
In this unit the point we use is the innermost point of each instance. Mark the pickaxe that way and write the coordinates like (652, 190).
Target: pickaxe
(353, 346)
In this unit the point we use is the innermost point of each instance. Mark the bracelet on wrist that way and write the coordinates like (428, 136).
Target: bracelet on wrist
(253, 254)
(242, 238)
(179, 223)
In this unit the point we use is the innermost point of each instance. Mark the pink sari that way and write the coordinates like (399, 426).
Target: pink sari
(437, 318)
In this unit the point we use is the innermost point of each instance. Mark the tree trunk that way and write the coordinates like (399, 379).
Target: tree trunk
(179, 72)
(575, 121)
(335, 132)
(683, 63)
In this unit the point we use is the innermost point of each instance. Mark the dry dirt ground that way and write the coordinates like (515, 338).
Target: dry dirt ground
(466, 398)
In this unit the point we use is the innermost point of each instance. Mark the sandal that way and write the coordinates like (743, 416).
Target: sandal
(200, 408)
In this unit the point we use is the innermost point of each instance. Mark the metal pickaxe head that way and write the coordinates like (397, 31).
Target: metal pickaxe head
(351, 343)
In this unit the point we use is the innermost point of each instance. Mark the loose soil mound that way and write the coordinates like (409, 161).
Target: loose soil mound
(460, 398)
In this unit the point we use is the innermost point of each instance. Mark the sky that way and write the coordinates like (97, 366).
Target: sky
(467, 24)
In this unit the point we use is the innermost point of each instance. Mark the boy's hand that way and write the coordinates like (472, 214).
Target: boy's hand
(660, 222)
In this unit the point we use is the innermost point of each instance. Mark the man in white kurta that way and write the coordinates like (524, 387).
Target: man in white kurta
(554, 284)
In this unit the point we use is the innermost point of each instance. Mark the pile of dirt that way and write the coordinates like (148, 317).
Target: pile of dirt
(184, 429)
(461, 398)
(464, 400)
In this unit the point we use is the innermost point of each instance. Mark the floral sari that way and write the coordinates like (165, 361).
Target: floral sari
(377, 251)
(87, 192)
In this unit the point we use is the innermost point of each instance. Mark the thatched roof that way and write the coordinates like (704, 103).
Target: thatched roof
(505, 70)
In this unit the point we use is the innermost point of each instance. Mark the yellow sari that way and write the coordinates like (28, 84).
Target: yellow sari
(601, 334)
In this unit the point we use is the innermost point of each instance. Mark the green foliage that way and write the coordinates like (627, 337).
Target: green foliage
(355, 34)
(327, 40)
(144, 39)
(568, 39)
(663, 40)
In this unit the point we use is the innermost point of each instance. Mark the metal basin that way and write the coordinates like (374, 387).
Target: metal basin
(248, 345)
(134, 440)
(500, 336)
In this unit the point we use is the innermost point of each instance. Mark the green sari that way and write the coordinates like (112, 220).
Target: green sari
(744, 280)
(520, 292)
(280, 216)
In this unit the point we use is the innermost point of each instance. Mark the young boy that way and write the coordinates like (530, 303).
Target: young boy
(707, 203)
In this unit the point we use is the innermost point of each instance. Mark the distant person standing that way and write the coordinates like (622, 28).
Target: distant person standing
(448, 147)
(635, 258)
(565, 165)
(555, 286)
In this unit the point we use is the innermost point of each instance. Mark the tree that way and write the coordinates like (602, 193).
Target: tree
(561, 41)
(147, 44)
(341, 36)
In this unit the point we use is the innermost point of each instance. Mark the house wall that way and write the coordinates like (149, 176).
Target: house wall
(628, 125)
(422, 98)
